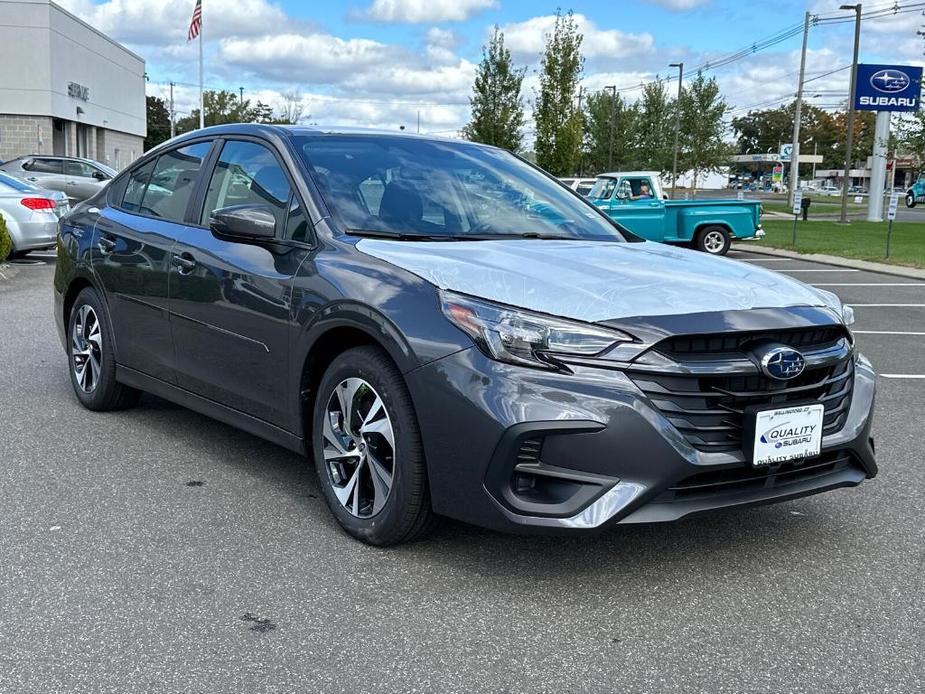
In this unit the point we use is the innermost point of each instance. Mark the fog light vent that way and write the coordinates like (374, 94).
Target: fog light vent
(529, 451)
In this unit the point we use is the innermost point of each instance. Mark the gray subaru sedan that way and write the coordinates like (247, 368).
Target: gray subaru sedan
(445, 330)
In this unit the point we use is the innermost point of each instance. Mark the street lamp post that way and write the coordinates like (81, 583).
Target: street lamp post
(849, 144)
(677, 126)
(613, 105)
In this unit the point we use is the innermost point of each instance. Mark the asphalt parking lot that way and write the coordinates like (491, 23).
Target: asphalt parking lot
(156, 550)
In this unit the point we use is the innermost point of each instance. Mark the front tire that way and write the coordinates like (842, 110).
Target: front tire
(92, 363)
(713, 240)
(910, 199)
(367, 447)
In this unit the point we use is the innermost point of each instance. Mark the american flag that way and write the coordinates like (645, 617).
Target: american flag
(195, 23)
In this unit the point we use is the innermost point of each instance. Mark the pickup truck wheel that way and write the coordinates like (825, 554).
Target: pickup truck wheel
(910, 199)
(713, 240)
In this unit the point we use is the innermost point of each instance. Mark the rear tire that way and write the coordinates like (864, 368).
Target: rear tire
(368, 452)
(910, 199)
(713, 240)
(91, 360)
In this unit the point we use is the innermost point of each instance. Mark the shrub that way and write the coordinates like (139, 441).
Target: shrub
(6, 243)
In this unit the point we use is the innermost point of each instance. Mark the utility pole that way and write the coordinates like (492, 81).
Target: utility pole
(677, 126)
(613, 106)
(849, 144)
(795, 151)
(173, 118)
(580, 145)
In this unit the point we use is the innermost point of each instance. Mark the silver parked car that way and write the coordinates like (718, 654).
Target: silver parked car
(78, 178)
(31, 214)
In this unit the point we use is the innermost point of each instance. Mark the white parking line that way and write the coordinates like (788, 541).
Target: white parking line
(910, 376)
(770, 260)
(883, 332)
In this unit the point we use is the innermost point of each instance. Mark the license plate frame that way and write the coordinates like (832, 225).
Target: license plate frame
(775, 435)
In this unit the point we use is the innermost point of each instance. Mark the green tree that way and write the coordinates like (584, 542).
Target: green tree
(655, 131)
(496, 105)
(910, 137)
(702, 147)
(758, 131)
(611, 127)
(559, 127)
(158, 118)
(226, 107)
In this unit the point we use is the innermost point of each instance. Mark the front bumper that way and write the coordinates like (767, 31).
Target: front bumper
(518, 449)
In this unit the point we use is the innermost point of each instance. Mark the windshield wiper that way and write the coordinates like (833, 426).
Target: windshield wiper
(406, 236)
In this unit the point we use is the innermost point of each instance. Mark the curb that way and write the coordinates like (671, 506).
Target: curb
(838, 261)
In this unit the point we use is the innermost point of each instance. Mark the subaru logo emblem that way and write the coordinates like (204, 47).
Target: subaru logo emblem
(783, 363)
(890, 81)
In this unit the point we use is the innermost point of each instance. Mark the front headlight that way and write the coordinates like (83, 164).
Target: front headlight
(522, 337)
(845, 312)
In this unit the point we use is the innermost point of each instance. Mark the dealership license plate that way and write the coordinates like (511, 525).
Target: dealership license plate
(787, 433)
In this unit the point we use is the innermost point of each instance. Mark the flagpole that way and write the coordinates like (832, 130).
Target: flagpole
(202, 112)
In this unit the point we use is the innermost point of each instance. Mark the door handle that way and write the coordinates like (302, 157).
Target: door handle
(185, 263)
(106, 244)
(31, 178)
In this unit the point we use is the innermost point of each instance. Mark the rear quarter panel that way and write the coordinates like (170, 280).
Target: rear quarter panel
(685, 219)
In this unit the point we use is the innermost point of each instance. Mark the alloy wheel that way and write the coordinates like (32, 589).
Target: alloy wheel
(359, 447)
(86, 349)
(714, 241)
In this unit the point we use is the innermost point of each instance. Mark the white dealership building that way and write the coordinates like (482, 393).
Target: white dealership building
(66, 88)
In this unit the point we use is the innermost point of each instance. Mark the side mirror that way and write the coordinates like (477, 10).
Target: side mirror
(625, 191)
(244, 222)
(100, 176)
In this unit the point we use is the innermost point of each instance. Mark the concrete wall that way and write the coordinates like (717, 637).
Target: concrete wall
(43, 48)
(116, 149)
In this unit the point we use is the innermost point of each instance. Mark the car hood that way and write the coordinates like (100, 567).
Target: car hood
(596, 281)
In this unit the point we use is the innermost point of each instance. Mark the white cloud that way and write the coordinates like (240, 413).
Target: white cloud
(527, 39)
(317, 58)
(679, 5)
(419, 11)
(156, 22)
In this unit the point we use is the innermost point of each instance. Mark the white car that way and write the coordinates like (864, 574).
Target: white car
(582, 186)
(830, 190)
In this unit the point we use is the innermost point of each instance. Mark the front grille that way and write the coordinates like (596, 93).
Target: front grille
(685, 347)
(741, 479)
(709, 410)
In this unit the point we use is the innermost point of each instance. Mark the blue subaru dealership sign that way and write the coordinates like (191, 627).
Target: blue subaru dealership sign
(888, 88)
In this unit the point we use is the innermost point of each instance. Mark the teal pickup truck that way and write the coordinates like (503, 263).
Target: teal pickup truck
(916, 193)
(635, 200)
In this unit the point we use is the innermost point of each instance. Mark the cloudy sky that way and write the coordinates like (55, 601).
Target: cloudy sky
(380, 63)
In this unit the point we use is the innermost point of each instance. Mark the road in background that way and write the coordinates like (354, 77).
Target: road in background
(156, 550)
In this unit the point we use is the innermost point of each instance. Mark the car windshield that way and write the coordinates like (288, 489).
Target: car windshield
(12, 183)
(602, 188)
(398, 186)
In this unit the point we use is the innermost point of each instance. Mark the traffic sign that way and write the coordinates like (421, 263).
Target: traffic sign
(894, 203)
(797, 200)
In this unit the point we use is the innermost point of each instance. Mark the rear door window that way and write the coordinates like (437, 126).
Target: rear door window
(52, 166)
(172, 182)
(78, 168)
(136, 186)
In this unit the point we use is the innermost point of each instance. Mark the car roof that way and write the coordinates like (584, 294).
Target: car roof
(617, 174)
(301, 130)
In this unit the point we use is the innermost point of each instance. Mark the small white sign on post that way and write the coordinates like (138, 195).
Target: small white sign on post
(797, 201)
(858, 199)
(894, 203)
(740, 195)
